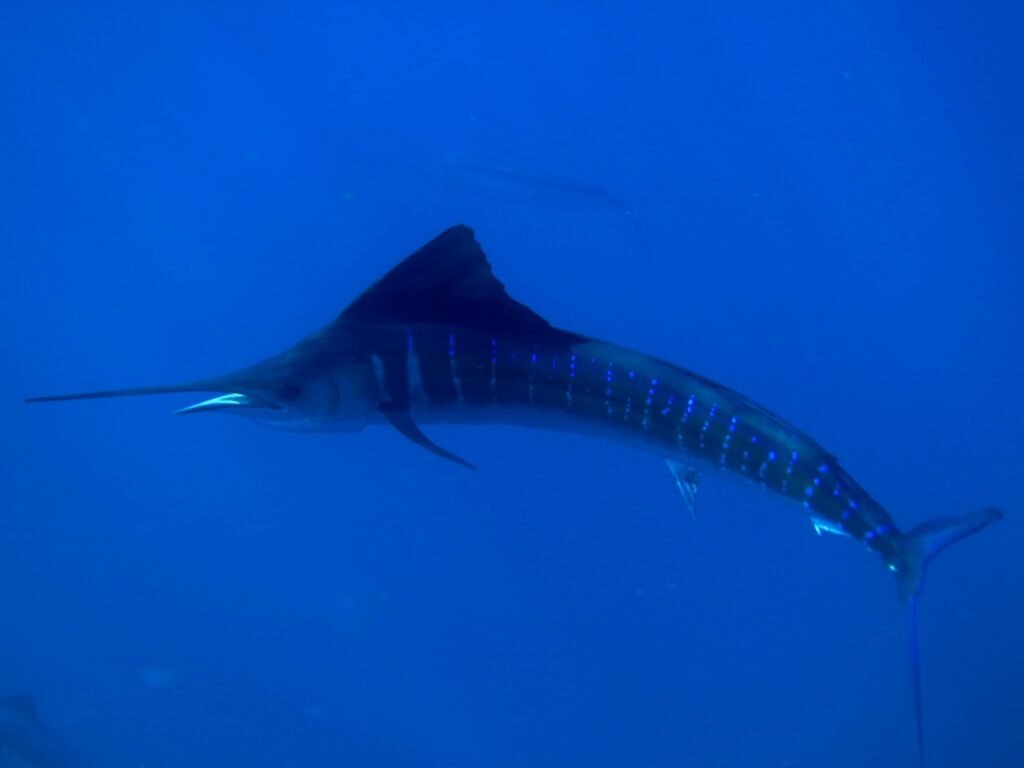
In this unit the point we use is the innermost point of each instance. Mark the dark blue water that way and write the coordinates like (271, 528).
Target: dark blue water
(824, 212)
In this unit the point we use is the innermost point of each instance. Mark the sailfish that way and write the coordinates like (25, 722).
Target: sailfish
(439, 340)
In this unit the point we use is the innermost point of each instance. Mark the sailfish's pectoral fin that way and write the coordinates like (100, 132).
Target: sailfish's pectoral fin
(401, 419)
(687, 481)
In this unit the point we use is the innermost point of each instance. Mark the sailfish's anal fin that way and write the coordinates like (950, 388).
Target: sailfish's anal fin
(400, 418)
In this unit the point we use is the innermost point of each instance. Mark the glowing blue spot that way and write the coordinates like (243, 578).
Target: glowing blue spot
(648, 401)
(732, 427)
(771, 455)
(853, 504)
(870, 535)
(846, 515)
(809, 490)
(753, 438)
(632, 374)
(665, 411)
(795, 456)
(671, 399)
(823, 469)
(533, 358)
(817, 481)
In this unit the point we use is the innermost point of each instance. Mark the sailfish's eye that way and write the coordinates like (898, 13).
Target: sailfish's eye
(289, 391)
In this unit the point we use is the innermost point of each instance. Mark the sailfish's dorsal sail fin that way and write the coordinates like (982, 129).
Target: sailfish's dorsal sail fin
(446, 282)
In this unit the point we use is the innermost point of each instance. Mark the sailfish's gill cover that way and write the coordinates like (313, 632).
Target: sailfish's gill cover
(438, 339)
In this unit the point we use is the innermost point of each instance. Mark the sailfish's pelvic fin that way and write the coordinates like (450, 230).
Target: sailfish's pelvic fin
(823, 526)
(400, 418)
(687, 481)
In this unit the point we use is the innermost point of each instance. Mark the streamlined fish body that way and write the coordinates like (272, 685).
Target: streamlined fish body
(438, 340)
(569, 383)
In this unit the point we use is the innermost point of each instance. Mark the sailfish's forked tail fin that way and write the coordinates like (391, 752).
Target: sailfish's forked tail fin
(914, 550)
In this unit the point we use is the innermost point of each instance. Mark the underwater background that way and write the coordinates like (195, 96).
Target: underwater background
(818, 204)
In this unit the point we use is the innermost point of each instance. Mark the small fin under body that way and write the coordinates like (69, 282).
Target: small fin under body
(400, 418)
(823, 526)
(687, 481)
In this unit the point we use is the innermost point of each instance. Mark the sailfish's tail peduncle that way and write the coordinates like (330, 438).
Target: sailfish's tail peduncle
(914, 550)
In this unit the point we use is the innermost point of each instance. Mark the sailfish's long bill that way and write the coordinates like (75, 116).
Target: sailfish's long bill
(438, 340)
